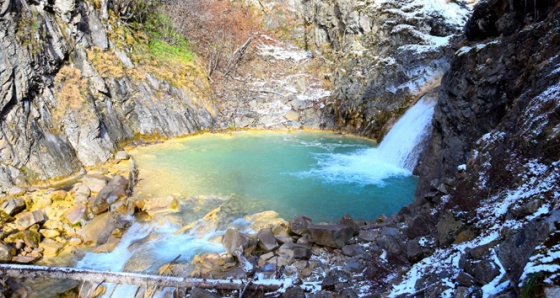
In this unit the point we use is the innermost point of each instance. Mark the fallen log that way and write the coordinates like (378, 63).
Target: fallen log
(129, 278)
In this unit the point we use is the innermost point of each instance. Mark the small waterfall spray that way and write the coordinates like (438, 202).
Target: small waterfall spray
(401, 145)
(397, 154)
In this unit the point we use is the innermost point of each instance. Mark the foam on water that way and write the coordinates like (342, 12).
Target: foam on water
(396, 156)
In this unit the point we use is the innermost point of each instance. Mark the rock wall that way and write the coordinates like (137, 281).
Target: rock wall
(70, 93)
(384, 55)
(490, 85)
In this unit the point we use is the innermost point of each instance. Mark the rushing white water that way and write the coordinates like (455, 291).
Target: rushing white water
(396, 156)
(400, 145)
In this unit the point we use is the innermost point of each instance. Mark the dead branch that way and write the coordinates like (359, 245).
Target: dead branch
(96, 276)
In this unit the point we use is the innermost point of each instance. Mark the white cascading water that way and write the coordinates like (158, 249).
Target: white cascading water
(400, 145)
(397, 154)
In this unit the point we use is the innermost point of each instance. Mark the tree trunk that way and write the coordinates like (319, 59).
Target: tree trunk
(32, 271)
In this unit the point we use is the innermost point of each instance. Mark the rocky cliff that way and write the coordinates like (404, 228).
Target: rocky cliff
(488, 190)
(76, 82)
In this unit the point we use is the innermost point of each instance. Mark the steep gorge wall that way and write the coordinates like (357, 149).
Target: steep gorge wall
(385, 54)
(70, 93)
(491, 87)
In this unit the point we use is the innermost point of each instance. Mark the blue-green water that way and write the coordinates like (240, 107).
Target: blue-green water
(320, 175)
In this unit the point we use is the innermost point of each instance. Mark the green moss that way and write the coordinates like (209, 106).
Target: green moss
(532, 287)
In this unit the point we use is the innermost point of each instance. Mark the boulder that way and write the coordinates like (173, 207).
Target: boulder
(330, 235)
(81, 193)
(464, 279)
(13, 206)
(7, 252)
(267, 241)
(95, 182)
(50, 247)
(58, 195)
(237, 243)
(159, 205)
(99, 229)
(483, 271)
(335, 277)
(447, 229)
(347, 220)
(122, 155)
(30, 238)
(368, 235)
(27, 219)
(299, 225)
(120, 181)
(75, 214)
(16, 191)
(291, 251)
(108, 195)
(352, 250)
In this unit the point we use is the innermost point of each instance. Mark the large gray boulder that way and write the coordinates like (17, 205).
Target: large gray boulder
(299, 225)
(95, 182)
(292, 251)
(27, 219)
(267, 241)
(237, 243)
(108, 195)
(6, 253)
(13, 206)
(334, 236)
(99, 229)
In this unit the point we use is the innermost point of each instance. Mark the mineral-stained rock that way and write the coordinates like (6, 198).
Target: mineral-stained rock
(99, 229)
(6, 252)
(122, 155)
(292, 251)
(75, 214)
(51, 247)
(153, 206)
(95, 182)
(299, 225)
(267, 241)
(120, 181)
(108, 195)
(81, 193)
(13, 206)
(30, 238)
(330, 235)
(236, 242)
(27, 219)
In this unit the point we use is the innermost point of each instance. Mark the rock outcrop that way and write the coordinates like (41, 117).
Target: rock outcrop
(67, 99)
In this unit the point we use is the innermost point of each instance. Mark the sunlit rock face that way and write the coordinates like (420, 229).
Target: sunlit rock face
(67, 100)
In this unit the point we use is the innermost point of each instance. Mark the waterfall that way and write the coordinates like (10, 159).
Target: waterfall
(396, 156)
(401, 145)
